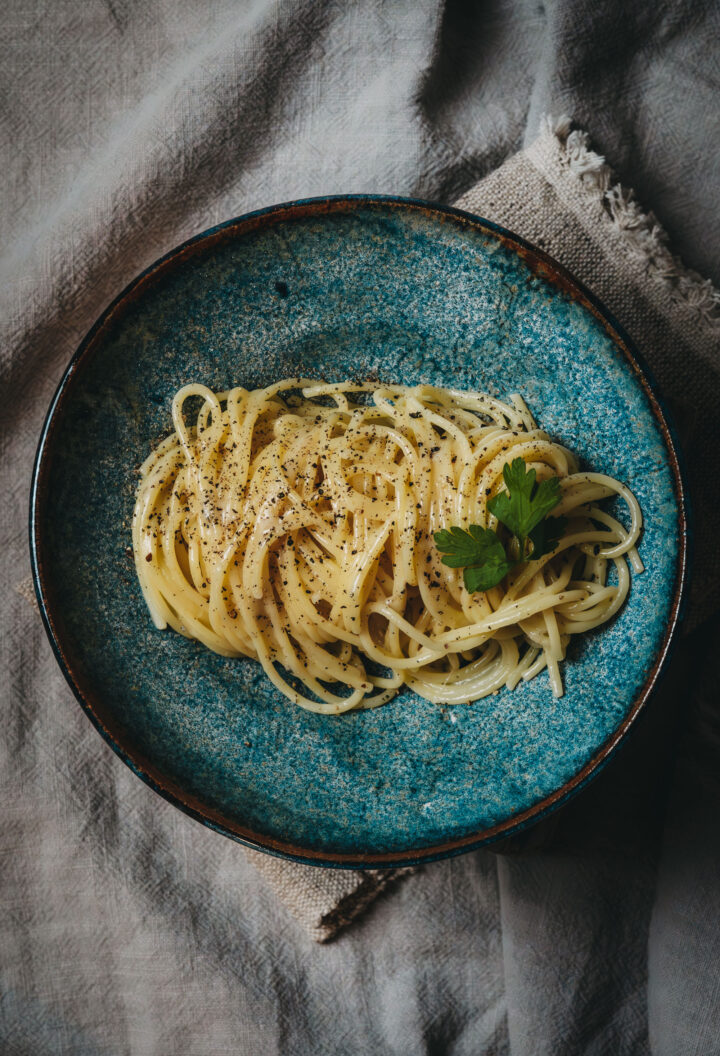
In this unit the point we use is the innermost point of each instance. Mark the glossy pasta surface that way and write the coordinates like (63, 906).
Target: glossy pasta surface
(294, 525)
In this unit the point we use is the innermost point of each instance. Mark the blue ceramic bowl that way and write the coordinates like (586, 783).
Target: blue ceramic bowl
(335, 288)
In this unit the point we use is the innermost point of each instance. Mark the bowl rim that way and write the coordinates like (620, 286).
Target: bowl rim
(541, 264)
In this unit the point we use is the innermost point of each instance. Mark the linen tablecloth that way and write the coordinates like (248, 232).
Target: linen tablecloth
(126, 927)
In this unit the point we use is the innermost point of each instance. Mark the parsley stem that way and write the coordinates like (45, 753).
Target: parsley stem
(515, 549)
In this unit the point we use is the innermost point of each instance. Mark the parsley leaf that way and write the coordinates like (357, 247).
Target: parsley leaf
(478, 551)
(463, 548)
(484, 577)
(523, 508)
(525, 503)
(545, 536)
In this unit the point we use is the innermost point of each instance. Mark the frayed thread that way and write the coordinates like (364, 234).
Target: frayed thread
(642, 233)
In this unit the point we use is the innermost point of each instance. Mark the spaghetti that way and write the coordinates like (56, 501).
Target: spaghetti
(294, 525)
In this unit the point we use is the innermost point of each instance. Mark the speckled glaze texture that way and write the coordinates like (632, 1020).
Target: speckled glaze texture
(340, 289)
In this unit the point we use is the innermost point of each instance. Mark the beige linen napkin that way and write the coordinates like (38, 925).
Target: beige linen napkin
(563, 198)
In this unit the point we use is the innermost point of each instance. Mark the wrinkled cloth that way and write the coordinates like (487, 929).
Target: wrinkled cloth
(125, 927)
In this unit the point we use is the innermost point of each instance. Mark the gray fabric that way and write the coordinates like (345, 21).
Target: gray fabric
(127, 127)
